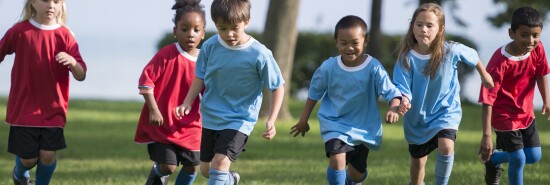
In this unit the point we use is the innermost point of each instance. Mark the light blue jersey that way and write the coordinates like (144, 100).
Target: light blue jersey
(349, 109)
(233, 79)
(436, 101)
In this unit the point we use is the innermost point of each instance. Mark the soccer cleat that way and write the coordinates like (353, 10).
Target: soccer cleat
(154, 179)
(22, 181)
(492, 173)
(236, 177)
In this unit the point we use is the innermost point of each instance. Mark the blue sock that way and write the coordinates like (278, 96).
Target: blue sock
(443, 168)
(499, 157)
(532, 154)
(184, 178)
(20, 171)
(515, 169)
(336, 177)
(349, 180)
(219, 177)
(44, 173)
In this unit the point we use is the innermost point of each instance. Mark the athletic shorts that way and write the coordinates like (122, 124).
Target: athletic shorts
(355, 155)
(26, 142)
(511, 141)
(227, 142)
(172, 154)
(419, 151)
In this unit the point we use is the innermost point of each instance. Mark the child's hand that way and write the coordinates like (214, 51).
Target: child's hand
(270, 131)
(182, 110)
(65, 59)
(545, 109)
(404, 106)
(485, 148)
(300, 127)
(155, 118)
(392, 115)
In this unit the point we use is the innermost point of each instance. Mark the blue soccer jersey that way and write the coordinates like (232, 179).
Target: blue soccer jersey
(234, 77)
(435, 101)
(349, 107)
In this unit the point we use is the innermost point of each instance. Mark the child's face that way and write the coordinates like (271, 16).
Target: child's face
(350, 43)
(525, 38)
(189, 31)
(425, 28)
(47, 10)
(233, 34)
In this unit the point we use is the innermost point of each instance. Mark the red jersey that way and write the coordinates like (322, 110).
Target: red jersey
(168, 76)
(514, 79)
(39, 93)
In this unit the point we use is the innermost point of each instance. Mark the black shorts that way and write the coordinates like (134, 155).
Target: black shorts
(419, 151)
(227, 142)
(172, 154)
(26, 142)
(511, 141)
(355, 155)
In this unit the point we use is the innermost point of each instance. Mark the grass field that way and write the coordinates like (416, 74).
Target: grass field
(101, 151)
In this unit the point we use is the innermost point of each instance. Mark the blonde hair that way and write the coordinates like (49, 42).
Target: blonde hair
(29, 11)
(437, 47)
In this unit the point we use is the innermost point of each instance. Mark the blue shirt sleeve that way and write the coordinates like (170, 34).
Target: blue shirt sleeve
(465, 54)
(270, 72)
(402, 79)
(385, 86)
(318, 84)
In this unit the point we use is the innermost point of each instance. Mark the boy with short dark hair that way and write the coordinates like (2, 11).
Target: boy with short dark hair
(508, 107)
(232, 68)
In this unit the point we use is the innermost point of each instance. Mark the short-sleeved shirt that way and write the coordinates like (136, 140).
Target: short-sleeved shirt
(234, 77)
(435, 100)
(512, 96)
(39, 92)
(169, 76)
(349, 107)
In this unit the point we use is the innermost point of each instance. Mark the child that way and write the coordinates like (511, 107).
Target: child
(349, 116)
(426, 75)
(232, 68)
(163, 84)
(508, 107)
(45, 52)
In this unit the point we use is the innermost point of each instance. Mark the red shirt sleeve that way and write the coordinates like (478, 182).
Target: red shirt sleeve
(495, 69)
(7, 44)
(541, 62)
(151, 73)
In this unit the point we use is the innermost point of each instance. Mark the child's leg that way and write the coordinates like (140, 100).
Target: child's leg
(219, 171)
(22, 142)
(444, 160)
(336, 172)
(515, 169)
(226, 146)
(187, 175)
(417, 170)
(46, 166)
(21, 170)
(532, 154)
(205, 166)
(357, 164)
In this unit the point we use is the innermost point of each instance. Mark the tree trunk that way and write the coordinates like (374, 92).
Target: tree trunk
(280, 34)
(375, 41)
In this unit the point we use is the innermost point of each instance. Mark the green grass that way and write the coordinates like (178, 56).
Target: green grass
(101, 150)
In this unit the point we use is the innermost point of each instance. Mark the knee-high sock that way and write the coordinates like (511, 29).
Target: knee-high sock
(44, 173)
(218, 177)
(499, 157)
(515, 169)
(443, 168)
(336, 177)
(185, 178)
(532, 154)
(348, 178)
(20, 171)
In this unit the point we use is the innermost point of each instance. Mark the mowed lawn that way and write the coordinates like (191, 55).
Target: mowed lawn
(101, 151)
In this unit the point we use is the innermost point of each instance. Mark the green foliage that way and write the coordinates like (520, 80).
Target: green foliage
(503, 17)
(101, 151)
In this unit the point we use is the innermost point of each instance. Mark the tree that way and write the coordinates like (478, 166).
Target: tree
(503, 17)
(375, 41)
(280, 34)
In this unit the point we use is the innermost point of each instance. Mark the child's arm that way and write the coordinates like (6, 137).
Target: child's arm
(486, 145)
(486, 78)
(392, 115)
(155, 117)
(196, 87)
(68, 60)
(277, 96)
(542, 83)
(404, 106)
(303, 126)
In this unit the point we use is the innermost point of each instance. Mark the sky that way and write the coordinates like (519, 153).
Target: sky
(118, 38)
